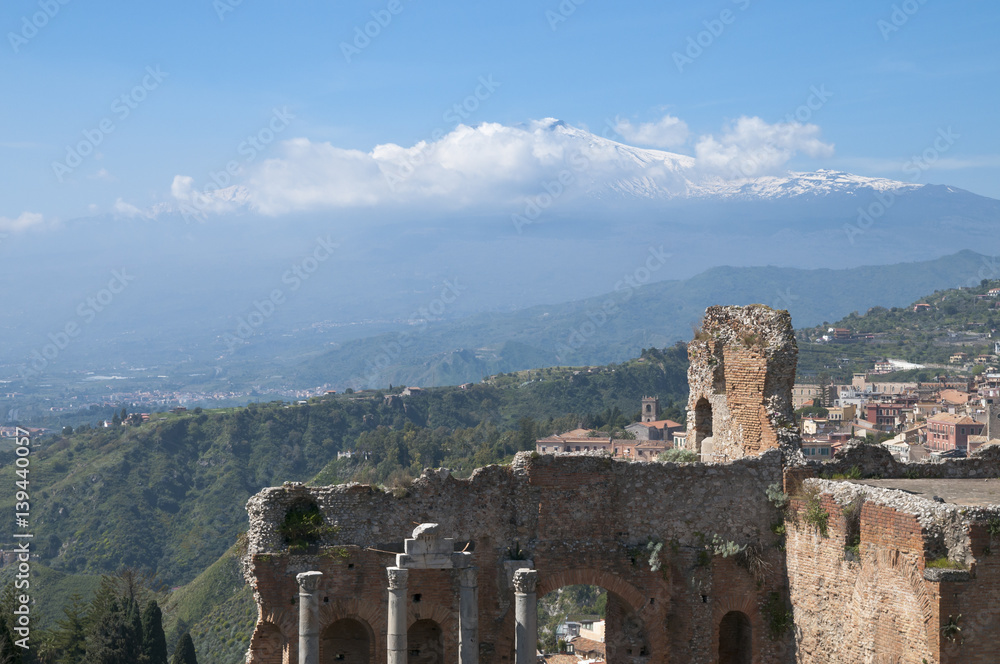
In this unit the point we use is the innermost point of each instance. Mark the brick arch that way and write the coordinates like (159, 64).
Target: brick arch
(366, 613)
(739, 602)
(326, 637)
(591, 577)
(267, 643)
(742, 602)
(653, 617)
(443, 616)
(287, 621)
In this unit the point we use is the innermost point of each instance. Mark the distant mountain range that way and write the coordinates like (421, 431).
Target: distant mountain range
(616, 326)
(241, 293)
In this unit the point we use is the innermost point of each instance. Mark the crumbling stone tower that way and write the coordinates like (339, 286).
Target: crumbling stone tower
(740, 378)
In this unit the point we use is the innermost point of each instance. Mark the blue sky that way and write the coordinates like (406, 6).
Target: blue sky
(199, 77)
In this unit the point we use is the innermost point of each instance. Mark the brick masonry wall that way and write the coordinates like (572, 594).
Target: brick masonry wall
(886, 606)
(743, 364)
(875, 460)
(579, 520)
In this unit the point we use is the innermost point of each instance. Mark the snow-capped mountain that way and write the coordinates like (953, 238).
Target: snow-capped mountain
(658, 174)
(492, 165)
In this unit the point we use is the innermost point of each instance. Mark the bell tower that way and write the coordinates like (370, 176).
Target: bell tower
(650, 409)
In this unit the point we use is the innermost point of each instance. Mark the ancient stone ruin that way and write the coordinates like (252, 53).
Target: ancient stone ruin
(740, 380)
(752, 557)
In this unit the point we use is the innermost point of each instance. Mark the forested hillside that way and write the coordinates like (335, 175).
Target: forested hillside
(959, 319)
(168, 497)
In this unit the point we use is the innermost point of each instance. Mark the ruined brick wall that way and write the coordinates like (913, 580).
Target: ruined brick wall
(885, 605)
(589, 520)
(872, 460)
(578, 519)
(740, 378)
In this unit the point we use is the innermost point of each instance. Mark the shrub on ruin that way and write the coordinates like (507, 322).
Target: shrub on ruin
(677, 456)
(777, 496)
(303, 525)
(779, 617)
(944, 562)
(751, 558)
(951, 630)
(815, 514)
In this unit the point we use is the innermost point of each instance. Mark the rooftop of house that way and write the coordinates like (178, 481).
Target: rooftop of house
(574, 435)
(972, 492)
(561, 659)
(948, 418)
(584, 645)
(954, 396)
(659, 424)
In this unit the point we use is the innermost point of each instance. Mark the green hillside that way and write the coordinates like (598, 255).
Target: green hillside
(615, 326)
(168, 497)
(957, 320)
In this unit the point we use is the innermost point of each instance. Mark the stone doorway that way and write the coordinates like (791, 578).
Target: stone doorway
(425, 643)
(735, 639)
(345, 641)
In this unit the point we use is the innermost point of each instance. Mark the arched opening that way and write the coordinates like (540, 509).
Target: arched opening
(267, 644)
(702, 422)
(735, 639)
(590, 623)
(425, 643)
(346, 641)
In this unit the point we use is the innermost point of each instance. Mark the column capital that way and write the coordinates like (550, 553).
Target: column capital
(467, 576)
(525, 580)
(397, 577)
(308, 581)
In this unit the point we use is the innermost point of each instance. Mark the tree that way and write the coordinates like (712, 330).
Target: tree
(116, 635)
(70, 636)
(154, 643)
(185, 651)
(9, 653)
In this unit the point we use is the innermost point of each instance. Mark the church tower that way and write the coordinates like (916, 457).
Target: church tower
(650, 409)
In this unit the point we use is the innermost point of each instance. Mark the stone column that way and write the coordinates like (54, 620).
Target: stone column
(468, 616)
(396, 634)
(308, 617)
(525, 616)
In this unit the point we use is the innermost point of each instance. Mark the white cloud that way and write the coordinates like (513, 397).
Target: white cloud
(207, 200)
(668, 132)
(498, 167)
(103, 174)
(127, 210)
(22, 222)
(752, 147)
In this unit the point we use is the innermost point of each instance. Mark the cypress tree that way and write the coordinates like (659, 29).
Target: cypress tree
(116, 636)
(154, 643)
(70, 637)
(185, 651)
(9, 653)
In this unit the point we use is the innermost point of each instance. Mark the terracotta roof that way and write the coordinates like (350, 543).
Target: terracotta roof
(659, 424)
(948, 418)
(575, 436)
(561, 659)
(582, 645)
(954, 396)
